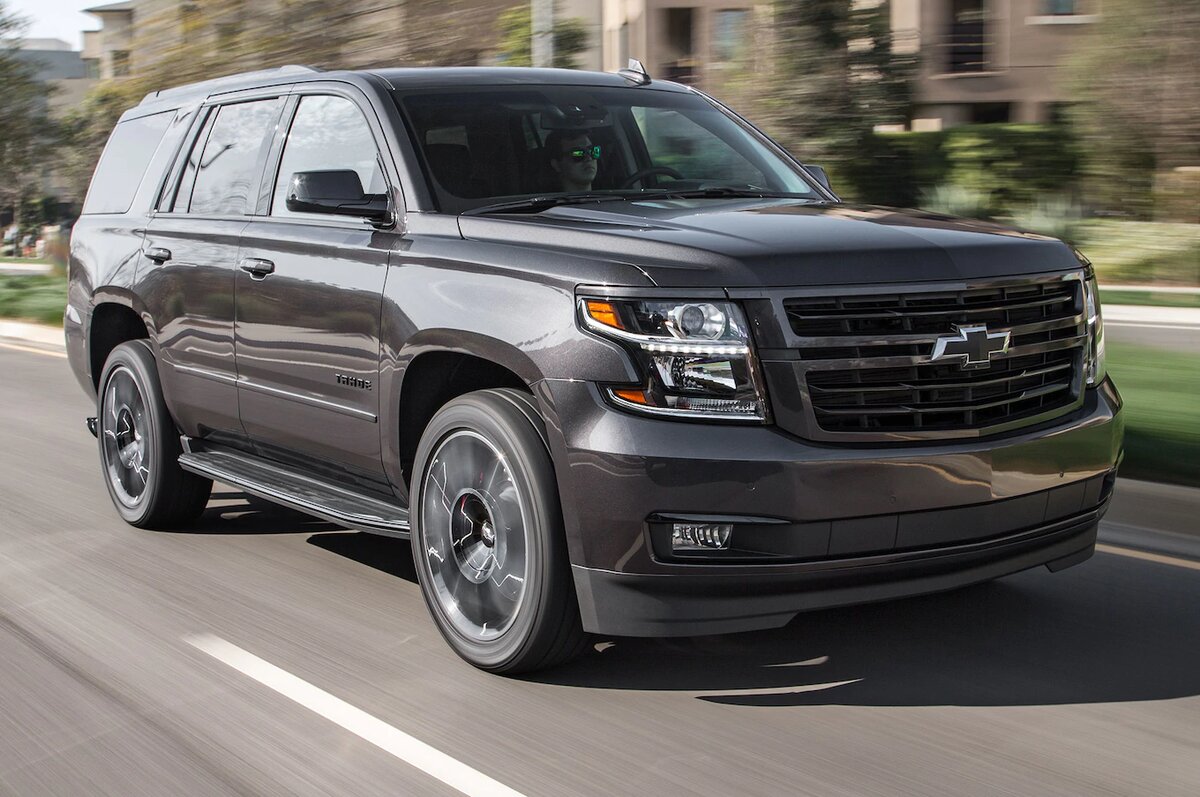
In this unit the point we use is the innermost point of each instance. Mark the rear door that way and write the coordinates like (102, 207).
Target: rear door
(191, 250)
(309, 297)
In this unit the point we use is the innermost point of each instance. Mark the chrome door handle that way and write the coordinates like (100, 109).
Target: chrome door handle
(256, 267)
(158, 254)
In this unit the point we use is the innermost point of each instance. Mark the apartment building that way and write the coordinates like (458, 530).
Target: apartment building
(991, 60)
(691, 41)
(108, 51)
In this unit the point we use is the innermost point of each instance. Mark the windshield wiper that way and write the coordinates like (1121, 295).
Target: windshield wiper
(537, 204)
(722, 192)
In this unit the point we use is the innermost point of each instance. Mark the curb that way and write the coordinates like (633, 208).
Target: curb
(25, 332)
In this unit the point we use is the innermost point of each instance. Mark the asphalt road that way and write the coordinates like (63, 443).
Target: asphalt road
(1083, 682)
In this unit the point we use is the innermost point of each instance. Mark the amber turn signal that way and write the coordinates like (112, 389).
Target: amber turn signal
(605, 313)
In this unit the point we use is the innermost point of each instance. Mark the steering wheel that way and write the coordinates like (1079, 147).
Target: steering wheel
(642, 174)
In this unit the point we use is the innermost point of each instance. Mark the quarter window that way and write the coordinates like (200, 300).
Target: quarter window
(228, 168)
(124, 162)
(328, 133)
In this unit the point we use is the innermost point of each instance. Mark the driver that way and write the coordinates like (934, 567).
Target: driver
(574, 158)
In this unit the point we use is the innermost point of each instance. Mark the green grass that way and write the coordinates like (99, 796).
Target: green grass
(1161, 390)
(1151, 298)
(39, 298)
(1141, 252)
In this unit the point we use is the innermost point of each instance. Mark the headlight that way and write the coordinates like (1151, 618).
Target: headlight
(1094, 365)
(696, 356)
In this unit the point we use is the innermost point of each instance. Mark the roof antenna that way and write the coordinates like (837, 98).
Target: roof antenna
(635, 72)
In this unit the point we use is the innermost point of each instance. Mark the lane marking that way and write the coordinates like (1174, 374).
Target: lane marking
(409, 749)
(31, 350)
(1158, 558)
(1190, 328)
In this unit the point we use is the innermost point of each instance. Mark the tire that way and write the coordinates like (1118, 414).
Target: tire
(487, 536)
(139, 445)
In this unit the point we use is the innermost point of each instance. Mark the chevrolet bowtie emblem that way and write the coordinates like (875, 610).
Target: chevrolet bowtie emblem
(973, 346)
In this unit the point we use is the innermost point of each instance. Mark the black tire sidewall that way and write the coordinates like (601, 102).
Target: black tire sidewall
(504, 426)
(137, 358)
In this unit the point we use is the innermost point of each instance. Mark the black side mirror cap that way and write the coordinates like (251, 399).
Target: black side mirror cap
(336, 192)
(819, 173)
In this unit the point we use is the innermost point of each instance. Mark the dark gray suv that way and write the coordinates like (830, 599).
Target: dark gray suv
(611, 358)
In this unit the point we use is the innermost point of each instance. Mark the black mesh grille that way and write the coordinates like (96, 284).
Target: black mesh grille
(867, 357)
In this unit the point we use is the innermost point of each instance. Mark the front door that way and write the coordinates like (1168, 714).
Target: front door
(309, 297)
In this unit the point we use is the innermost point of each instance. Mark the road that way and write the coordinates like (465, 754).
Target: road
(116, 648)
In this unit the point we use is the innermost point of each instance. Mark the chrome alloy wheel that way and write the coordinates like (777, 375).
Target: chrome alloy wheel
(124, 429)
(473, 530)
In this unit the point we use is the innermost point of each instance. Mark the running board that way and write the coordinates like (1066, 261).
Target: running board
(297, 491)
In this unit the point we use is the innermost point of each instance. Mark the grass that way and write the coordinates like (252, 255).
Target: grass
(39, 298)
(1141, 252)
(1162, 412)
(1151, 298)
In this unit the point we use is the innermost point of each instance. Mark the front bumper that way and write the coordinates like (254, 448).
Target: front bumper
(858, 523)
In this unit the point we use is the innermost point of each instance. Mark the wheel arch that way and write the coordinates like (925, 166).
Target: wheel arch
(114, 320)
(435, 367)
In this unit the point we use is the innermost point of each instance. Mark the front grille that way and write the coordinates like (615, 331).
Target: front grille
(866, 358)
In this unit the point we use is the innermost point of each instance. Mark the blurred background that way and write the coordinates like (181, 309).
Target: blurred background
(1075, 118)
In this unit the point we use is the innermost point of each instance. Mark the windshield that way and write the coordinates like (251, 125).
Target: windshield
(484, 146)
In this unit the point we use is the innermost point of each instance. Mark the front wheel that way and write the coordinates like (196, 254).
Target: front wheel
(139, 445)
(488, 538)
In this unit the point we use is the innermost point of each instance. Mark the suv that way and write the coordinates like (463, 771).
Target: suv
(613, 360)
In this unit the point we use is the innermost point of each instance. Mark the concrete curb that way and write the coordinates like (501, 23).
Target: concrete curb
(25, 332)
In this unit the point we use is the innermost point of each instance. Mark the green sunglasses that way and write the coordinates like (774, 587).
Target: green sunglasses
(583, 153)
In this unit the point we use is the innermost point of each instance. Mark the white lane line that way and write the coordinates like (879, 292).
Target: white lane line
(1158, 558)
(413, 751)
(31, 350)
(1193, 327)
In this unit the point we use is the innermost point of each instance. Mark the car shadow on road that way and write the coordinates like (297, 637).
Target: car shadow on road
(1112, 630)
(233, 512)
(387, 554)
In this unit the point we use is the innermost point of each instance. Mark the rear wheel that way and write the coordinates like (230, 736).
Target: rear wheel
(139, 445)
(487, 535)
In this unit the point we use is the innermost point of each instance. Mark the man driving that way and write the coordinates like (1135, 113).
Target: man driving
(574, 159)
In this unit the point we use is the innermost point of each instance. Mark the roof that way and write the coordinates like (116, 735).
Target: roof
(110, 8)
(504, 76)
(422, 77)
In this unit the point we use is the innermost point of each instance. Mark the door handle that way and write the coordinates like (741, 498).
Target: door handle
(256, 267)
(158, 254)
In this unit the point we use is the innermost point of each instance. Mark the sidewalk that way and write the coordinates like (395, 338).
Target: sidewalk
(41, 334)
(10, 269)
(1159, 316)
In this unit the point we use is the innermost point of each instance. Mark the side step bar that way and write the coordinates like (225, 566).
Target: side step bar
(297, 491)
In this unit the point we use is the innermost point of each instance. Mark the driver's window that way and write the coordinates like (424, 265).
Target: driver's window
(328, 133)
(676, 142)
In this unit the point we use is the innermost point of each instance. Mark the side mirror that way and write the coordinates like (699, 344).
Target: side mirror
(336, 192)
(819, 173)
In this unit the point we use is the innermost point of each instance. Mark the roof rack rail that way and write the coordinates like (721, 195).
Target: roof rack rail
(231, 80)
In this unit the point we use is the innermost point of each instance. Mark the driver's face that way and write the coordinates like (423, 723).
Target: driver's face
(581, 170)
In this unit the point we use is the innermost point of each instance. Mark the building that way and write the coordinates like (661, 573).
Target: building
(108, 50)
(690, 41)
(990, 60)
(66, 72)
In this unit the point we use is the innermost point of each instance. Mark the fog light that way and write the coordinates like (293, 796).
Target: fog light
(700, 536)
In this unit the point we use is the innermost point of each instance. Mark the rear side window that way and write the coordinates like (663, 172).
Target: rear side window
(228, 168)
(123, 165)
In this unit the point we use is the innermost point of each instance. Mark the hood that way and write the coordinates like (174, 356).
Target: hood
(766, 243)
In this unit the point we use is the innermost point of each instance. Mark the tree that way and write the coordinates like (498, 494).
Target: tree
(516, 38)
(821, 75)
(1138, 81)
(26, 133)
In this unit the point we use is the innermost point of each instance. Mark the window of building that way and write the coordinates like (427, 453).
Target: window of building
(328, 134)
(120, 63)
(966, 42)
(730, 29)
(123, 163)
(229, 165)
(1055, 8)
(986, 113)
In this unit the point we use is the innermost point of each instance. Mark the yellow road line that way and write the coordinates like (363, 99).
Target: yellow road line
(1149, 557)
(32, 350)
